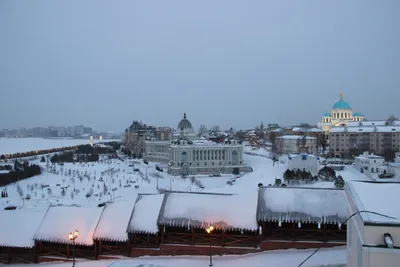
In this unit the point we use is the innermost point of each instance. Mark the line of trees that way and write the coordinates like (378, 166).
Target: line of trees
(20, 172)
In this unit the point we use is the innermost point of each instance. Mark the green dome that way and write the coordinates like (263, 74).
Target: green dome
(341, 104)
(358, 114)
(327, 115)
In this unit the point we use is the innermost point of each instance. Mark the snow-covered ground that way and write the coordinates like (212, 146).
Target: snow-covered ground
(80, 179)
(279, 258)
(83, 184)
(16, 145)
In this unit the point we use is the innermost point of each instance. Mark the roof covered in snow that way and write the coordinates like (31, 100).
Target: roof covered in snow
(145, 214)
(301, 204)
(18, 227)
(370, 123)
(296, 137)
(114, 221)
(365, 129)
(309, 130)
(200, 210)
(380, 197)
(59, 221)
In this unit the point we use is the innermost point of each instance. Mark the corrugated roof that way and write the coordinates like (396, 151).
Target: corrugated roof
(301, 204)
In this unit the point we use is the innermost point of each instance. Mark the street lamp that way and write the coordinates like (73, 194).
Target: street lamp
(72, 237)
(209, 230)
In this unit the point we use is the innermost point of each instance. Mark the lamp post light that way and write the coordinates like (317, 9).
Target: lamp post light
(209, 230)
(72, 237)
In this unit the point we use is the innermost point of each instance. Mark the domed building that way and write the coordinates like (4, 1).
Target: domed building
(340, 115)
(185, 129)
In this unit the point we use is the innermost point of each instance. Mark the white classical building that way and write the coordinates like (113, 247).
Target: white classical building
(304, 161)
(205, 157)
(373, 240)
(368, 162)
(156, 150)
(187, 155)
(340, 115)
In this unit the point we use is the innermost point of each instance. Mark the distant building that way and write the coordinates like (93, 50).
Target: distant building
(164, 133)
(340, 115)
(368, 162)
(349, 141)
(304, 161)
(88, 130)
(372, 239)
(79, 130)
(394, 168)
(187, 155)
(136, 136)
(156, 150)
(205, 157)
(288, 144)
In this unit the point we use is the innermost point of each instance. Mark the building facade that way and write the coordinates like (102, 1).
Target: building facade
(340, 115)
(164, 134)
(368, 162)
(304, 161)
(205, 157)
(288, 144)
(136, 136)
(347, 142)
(156, 150)
(372, 240)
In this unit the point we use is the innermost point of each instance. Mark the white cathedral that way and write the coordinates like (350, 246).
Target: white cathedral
(340, 115)
(189, 155)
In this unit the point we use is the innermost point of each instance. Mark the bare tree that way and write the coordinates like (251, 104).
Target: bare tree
(202, 130)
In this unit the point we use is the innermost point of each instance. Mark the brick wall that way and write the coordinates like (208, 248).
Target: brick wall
(174, 250)
(273, 245)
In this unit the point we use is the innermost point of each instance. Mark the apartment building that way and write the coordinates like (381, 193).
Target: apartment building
(287, 144)
(350, 141)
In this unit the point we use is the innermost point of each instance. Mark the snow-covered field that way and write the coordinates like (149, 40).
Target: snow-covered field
(84, 184)
(279, 258)
(16, 145)
(72, 183)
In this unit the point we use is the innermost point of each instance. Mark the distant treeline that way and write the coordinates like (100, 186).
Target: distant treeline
(86, 153)
(20, 172)
(114, 145)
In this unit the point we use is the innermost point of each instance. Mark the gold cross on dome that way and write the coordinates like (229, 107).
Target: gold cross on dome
(341, 96)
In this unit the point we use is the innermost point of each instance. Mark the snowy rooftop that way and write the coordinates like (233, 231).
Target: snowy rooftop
(59, 221)
(15, 230)
(145, 214)
(114, 221)
(377, 197)
(201, 210)
(301, 204)
(301, 155)
(296, 137)
(365, 129)
(310, 130)
(370, 123)
(366, 157)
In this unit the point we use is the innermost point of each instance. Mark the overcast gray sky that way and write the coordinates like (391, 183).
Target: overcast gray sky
(227, 62)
